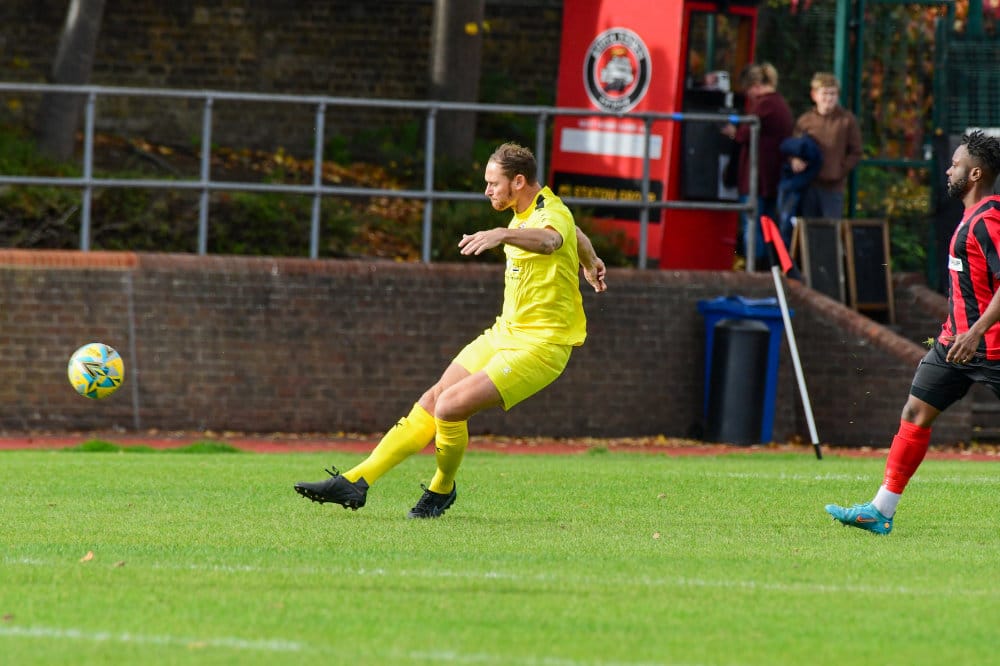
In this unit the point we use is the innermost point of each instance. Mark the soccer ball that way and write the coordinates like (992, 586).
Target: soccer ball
(96, 370)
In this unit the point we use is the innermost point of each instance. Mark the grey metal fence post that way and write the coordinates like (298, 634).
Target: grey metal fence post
(88, 172)
(317, 181)
(206, 175)
(644, 211)
(425, 252)
(540, 141)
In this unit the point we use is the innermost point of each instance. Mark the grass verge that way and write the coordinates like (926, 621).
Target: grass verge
(594, 559)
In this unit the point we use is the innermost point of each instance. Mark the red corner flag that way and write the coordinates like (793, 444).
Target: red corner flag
(776, 248)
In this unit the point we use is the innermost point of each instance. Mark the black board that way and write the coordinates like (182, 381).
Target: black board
(869, 272)
(822, 251)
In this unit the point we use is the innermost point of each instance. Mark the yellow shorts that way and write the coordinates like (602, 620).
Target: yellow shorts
(518, 369)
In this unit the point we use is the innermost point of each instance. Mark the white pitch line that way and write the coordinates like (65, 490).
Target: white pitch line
(452, 657)
(150, 639)
(812, 588)
(948, 480)
(281, 646)
(555, 578)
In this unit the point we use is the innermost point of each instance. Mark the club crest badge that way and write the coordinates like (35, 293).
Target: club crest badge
(616, 70)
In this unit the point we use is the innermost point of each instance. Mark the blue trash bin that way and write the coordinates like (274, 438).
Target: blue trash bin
(741, 377)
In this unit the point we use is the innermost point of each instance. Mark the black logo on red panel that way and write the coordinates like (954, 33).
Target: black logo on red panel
(616, 70)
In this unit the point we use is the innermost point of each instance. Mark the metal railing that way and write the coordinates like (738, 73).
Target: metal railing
(205, 185)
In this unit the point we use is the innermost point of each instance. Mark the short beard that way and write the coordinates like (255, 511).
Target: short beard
(508, 201)
(957, 189)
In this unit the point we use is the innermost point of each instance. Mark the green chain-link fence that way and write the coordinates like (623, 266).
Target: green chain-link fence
(891, 52)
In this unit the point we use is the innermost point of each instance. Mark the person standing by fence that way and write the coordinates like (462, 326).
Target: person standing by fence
(838, 134)
(760, 83)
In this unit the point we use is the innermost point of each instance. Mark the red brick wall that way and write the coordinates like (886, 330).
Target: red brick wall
(920, 310)
(264, 345)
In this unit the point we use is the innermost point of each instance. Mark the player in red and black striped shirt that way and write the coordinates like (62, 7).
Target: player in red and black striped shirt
(968, 349)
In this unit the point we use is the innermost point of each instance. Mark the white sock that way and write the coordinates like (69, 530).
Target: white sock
(886, 502)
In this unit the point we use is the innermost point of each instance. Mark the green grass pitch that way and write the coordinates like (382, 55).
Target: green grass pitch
(597, 559)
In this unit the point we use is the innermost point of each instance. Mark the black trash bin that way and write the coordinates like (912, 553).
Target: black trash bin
(738, 381)
(718, 376)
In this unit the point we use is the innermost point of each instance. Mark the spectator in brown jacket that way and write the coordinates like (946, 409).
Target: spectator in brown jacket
(760, 84)
(838, 134)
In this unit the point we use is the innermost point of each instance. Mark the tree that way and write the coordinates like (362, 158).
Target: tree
(456, 54)
(59, 113)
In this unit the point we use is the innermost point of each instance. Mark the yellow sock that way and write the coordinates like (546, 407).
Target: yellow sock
(452, 440)
(410, 435)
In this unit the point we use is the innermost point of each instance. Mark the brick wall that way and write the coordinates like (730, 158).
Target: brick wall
(329, 47)
(263, 345)
(919, 309)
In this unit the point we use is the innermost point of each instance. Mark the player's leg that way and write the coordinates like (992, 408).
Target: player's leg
(513, 373)
(509, 376)
(410, 435)
(909, 446)
(936, 385)
(475, 393)
(463, 392)
(908, 449)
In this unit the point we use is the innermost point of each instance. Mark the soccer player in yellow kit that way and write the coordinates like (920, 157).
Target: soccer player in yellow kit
(524, 351)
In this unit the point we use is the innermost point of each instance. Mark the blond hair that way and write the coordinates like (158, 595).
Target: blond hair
(764, 74)
(824, 80)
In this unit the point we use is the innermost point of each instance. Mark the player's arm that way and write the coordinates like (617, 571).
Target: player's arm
(593, 267)
(965, 344)
(545, 240)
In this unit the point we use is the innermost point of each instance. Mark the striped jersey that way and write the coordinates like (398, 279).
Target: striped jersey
(974, 274)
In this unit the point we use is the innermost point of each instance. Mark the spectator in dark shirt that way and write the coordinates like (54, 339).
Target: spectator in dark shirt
(760, 84)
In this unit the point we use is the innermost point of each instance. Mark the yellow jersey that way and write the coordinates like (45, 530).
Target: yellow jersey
(542, 299)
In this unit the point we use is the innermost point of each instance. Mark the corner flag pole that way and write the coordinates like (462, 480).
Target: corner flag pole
(778, 287)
